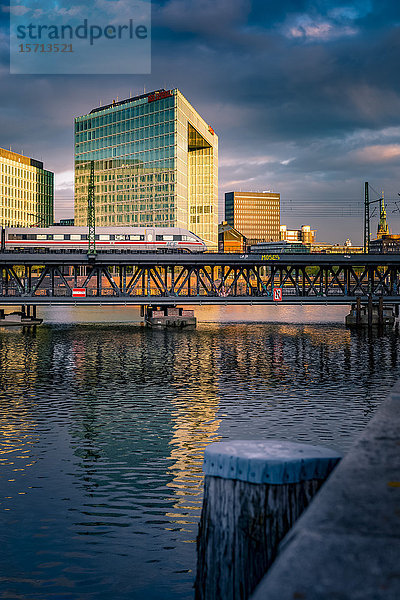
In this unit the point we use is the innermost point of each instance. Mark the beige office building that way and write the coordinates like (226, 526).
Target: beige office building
(26, 191)
(255, 214)
(156, 164)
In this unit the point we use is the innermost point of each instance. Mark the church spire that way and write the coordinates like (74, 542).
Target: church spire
(383, 228)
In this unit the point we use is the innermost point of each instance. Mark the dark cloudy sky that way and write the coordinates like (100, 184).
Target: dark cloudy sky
(304, 95)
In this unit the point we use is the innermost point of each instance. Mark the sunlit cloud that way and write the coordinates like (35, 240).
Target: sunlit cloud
(64, 180)
(242, 162)
(307, 28)
(379, 153)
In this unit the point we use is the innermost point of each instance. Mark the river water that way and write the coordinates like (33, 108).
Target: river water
(104, 425)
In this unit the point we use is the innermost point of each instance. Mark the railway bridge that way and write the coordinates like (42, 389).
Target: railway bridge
(29, 278)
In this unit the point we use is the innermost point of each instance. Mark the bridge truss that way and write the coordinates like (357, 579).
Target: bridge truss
(162, 279)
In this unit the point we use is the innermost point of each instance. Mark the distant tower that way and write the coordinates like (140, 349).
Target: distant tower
(383, 228)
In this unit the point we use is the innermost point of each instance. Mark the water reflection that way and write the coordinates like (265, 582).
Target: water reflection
(104, 427)
(195, 424)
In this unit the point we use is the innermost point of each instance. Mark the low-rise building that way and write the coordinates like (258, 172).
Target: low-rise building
(65, 223)
(386, 244)
(305, 234)
(230, 239)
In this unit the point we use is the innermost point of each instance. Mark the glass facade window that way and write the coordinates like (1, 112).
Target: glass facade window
(156, 161)
(26, 191)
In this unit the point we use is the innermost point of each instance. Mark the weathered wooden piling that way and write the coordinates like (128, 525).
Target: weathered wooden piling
(253, 493)
(369, 310)
(358, 312)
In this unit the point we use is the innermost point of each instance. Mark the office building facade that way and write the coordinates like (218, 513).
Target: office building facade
(26, 191)
(156, 164)
(255, 214)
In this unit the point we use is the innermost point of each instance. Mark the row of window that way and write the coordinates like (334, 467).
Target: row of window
(145, 161)
(100, 237)
(161, 107)
(144, 153)
(127, 133)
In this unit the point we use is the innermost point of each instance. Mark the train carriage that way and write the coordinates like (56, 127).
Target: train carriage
(111, 239)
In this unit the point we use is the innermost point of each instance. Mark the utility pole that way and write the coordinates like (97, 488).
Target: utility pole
(91, 215)
(366, 219)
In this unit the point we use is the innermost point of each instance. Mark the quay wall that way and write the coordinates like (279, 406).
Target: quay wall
(346, 545)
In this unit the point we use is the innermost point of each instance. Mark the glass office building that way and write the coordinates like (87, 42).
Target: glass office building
(255, 214)
(156, 164)
(26, 191)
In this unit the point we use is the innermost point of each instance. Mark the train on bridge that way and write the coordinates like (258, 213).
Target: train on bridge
(131, 239)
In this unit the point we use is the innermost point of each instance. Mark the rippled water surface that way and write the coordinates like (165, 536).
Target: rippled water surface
(103, 428)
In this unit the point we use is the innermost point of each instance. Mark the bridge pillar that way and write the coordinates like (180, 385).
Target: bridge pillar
(161, 317)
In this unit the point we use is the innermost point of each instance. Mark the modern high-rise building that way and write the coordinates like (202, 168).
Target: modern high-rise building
(255, 214)
(26, 191)
(155, 162)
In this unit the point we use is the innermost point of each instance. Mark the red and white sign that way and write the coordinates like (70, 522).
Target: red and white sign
(159, 95)
(79, 292)
(277, 295)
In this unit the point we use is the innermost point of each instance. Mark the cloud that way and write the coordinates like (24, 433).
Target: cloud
(205, 17)
(379, 153)
(64, 180)
(306, 28)
(16, 10)
(244, 162)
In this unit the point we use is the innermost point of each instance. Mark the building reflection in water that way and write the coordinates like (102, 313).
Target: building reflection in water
(195, 425)
(18, 428)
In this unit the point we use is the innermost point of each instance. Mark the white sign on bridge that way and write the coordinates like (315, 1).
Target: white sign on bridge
(277, 294)
(79, 292)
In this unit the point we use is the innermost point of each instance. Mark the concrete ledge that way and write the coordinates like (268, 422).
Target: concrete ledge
(346, 545)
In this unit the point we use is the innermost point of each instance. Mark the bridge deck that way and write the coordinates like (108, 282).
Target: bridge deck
(127, 278)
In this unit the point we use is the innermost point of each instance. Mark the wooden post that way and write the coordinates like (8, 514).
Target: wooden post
(380, 311)
(369, 310)
(253, 493)
(358, 311)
